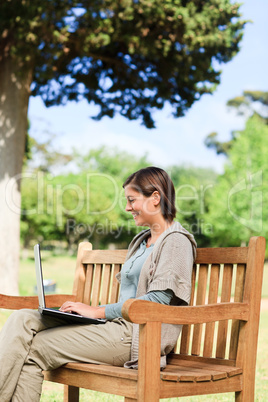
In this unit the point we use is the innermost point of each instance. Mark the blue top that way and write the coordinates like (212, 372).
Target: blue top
(130, 274)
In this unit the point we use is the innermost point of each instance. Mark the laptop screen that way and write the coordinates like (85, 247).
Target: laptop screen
(39, 276)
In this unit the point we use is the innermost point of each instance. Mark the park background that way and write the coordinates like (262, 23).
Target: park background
(221, 197)
(215, 154)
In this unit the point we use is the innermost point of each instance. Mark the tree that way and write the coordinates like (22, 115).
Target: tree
(249, 104)
(128, 57)
(42, 156)
(110, 161)
(238, 203)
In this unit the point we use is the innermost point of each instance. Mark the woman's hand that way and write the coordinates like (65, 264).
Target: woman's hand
(83, 309)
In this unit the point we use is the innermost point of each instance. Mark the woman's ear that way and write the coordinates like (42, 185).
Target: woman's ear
(156, 198)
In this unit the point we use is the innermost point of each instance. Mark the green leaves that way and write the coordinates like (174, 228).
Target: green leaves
(161, 47)
(238, 204)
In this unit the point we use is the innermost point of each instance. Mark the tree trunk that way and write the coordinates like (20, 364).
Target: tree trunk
(14, 98)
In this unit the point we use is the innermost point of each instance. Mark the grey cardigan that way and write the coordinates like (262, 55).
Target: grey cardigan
(169, 266)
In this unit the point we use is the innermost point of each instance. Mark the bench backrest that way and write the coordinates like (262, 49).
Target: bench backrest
(95, 281)
(219, 275)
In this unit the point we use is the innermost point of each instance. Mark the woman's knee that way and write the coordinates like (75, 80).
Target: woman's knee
(22, 316)
(24, 321)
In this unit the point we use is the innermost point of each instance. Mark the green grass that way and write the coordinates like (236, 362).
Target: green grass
(61, 269)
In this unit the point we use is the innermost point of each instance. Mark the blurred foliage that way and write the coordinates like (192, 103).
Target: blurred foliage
(91, 203)
(109, 160)
(238, 204)
(220, 147)
(42, 155)
(249, 104)
(87, 205)
(127, 57)
(237, 208)
(193, 187)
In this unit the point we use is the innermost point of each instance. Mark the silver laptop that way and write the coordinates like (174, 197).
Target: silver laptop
(69, 317)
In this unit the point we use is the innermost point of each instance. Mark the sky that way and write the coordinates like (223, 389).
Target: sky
(174, 141)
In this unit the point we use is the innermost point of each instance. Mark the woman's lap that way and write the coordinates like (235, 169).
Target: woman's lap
(107, 343)
(54, 343)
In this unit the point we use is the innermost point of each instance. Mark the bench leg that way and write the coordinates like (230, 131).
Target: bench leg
(243, 396)
(71, 394)
(247, 393)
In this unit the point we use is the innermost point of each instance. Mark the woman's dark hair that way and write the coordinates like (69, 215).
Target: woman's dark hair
(151, 179)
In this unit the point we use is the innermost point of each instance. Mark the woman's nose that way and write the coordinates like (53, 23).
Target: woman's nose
(128, 206)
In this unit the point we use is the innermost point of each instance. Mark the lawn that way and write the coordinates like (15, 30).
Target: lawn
(61, 269)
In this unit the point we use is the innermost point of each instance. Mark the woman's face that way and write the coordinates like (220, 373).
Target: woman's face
(143, 209)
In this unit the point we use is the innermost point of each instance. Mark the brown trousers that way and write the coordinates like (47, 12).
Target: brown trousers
(30, 343)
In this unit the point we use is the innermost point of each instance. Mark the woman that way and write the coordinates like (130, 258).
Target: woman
(158, 268)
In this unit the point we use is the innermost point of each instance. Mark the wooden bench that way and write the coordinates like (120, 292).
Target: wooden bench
(216, 357)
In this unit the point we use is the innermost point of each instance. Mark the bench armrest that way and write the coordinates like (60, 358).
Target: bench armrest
(19, 302)
(142, 311)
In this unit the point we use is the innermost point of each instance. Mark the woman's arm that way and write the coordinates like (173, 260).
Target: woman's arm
(111, 311)
(158, 296)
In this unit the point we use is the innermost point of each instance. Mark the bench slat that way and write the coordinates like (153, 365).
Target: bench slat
(211, 366)
(238, 297)
(115, 284)
(105, 287)
(200, 300)
(173, 357)
(225, 297)
(88, 284)
(218, 255)
(104, 369)
(104, 256)
(19, 302)
(183, 347)
(94, 380)
(95, 296)
(198, 371)
(212, 298)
